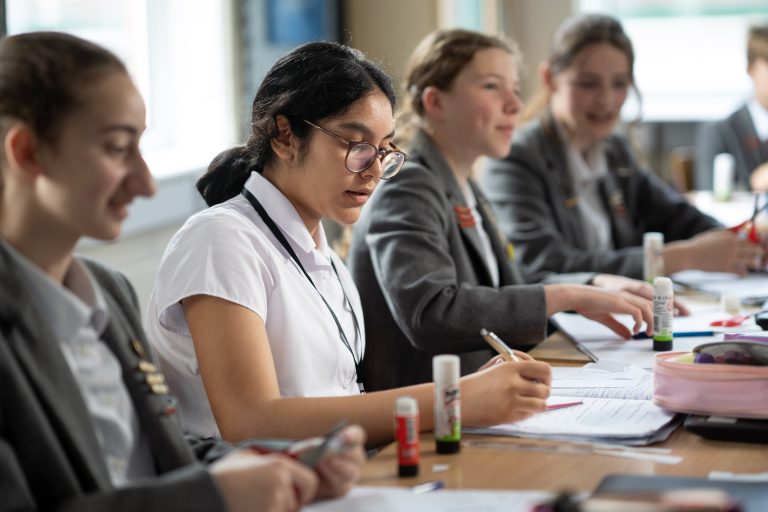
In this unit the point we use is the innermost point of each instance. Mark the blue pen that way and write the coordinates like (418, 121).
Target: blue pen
(684, 334)
(428, 486)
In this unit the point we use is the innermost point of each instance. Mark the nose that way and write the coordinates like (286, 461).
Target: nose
(374, 171)
(513, 103)
(140, 181)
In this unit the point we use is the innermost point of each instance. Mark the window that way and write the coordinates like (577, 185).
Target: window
(179, 54)
(690, 56)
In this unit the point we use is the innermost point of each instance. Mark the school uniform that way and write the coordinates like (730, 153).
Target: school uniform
(85, 421)
(426, 275)
(227, 251)
(537, 202)
(743, 134)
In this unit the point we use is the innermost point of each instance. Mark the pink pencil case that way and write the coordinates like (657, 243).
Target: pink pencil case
(739, 391)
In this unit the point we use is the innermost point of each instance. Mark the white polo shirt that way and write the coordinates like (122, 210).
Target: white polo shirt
(228, 252)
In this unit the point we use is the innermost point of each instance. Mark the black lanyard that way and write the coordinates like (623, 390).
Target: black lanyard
(281, 238)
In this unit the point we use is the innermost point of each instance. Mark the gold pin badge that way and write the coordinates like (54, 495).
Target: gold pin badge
(139, 349)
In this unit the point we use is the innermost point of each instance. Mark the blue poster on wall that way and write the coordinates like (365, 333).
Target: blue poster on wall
(300, 21)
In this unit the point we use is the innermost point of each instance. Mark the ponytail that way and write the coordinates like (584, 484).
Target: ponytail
(226, 176)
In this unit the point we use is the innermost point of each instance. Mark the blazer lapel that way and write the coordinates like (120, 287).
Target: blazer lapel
(50, 376)
(559, 179)
(467, 224)
(614, 202)
(502, 248)
(753, 146)
(155, 408)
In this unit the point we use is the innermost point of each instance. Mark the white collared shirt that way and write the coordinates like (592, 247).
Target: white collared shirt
(759, 115)
(586, 174)
(228, 252)
(488, 256)
(77, 314)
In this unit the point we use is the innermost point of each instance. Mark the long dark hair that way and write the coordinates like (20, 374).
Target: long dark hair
(311, 82)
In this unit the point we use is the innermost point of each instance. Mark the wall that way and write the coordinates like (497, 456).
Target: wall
(388, 31)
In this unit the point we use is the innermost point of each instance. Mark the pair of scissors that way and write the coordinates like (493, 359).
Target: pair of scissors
(748, 229)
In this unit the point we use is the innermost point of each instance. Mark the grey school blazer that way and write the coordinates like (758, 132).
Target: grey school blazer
(423, 283)
(534, 199)
(735, 135)
(49, 456)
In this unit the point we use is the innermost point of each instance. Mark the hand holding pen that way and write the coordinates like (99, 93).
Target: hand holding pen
(506, 392)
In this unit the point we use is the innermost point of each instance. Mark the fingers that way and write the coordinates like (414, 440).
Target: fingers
(337, 475)
(304, 484)
(681, 309)
(535, 371)
(616, 326)
(491, 362)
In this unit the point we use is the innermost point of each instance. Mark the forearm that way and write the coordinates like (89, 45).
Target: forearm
(297, 418)
(678, 256)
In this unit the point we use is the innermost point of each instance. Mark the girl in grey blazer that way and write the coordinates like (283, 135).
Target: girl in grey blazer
(86, 419)
(571, 195)
(430, 265)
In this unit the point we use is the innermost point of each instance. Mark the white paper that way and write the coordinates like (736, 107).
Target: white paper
(749, 286)
(597, 417)
(398, 499)
(641, 389)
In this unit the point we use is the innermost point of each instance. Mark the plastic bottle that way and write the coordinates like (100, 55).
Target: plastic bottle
(663, 309)
(722, 176)
(407, 435)
(445, 371)
(653, 256)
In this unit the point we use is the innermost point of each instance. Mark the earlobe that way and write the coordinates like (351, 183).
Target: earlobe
(21, 145)
(432, 101)
(545, 75)
(284, 144)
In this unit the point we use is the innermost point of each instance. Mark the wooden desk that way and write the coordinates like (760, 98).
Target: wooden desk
(477, 467)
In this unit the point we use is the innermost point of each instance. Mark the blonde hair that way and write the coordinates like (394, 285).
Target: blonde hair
(435, 62)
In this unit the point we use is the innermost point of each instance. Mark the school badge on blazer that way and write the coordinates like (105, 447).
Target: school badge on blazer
(152, 376)
(616, 200)
(465, 217)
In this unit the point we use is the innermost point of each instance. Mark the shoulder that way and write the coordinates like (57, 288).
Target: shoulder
(110, 280)
(415, 179)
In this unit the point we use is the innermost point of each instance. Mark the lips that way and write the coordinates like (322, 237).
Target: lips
(359, 196)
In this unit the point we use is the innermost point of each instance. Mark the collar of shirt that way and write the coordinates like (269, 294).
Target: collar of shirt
(284, 214)
(584, 169)
(67, 308)
(759, 115)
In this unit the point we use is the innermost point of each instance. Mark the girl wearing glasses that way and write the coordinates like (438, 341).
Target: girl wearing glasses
(571, 193)
(426, 256)
(255, 319)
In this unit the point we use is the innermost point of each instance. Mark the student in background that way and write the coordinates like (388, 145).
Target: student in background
(86, 422)
(426, 255)
(571, 195)
(255, 319)
(744, 134)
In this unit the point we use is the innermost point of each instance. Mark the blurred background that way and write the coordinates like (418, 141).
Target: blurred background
(198, 64)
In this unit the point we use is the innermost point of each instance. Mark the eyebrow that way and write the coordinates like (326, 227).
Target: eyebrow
(360, 127)
(121, 128)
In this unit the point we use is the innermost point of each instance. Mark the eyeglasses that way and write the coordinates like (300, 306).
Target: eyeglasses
(361, 155)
